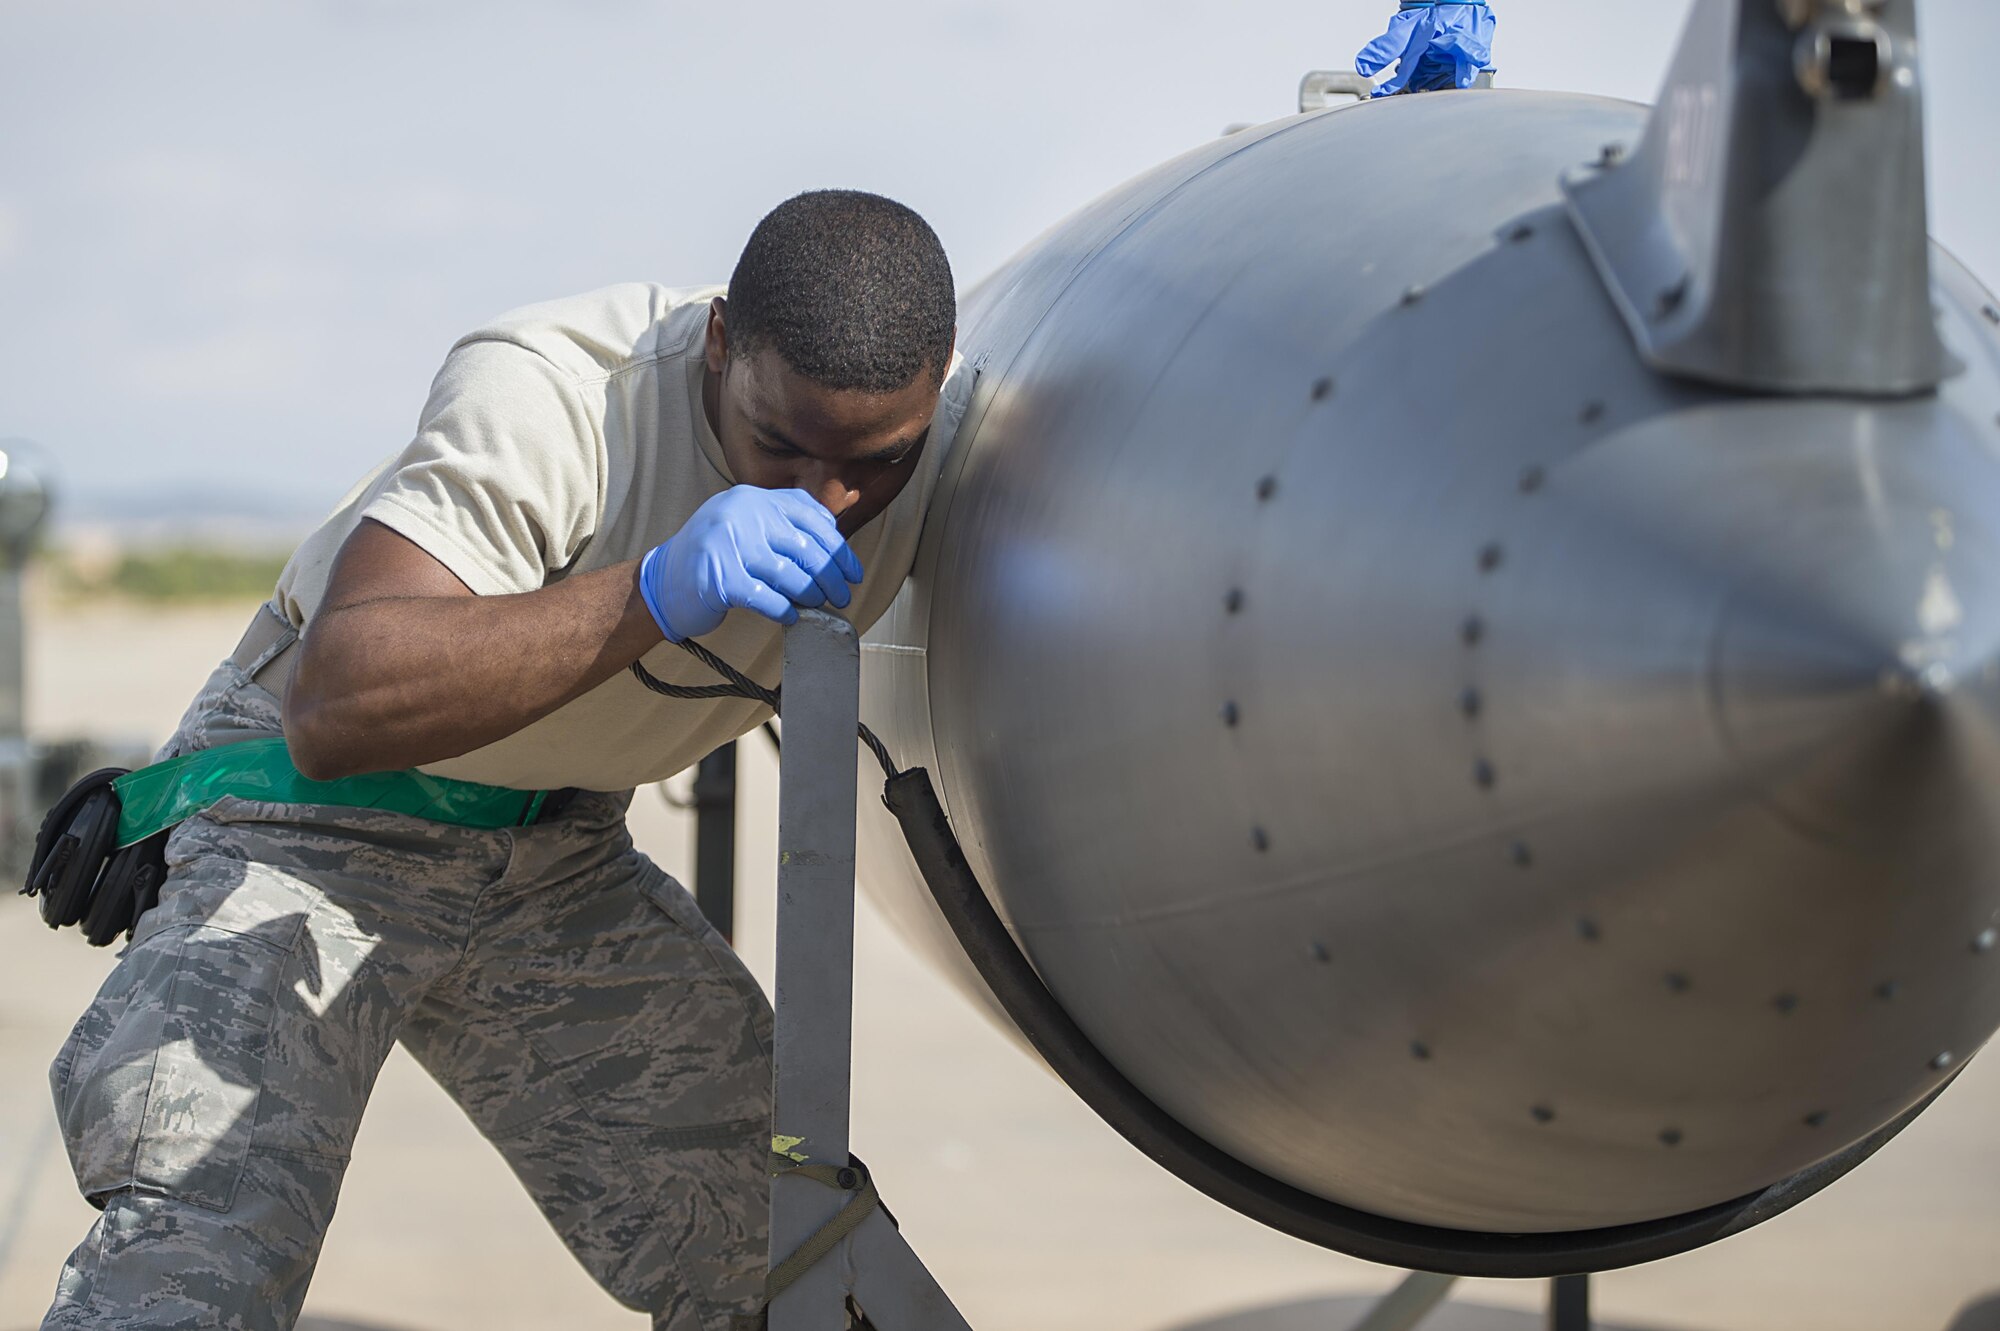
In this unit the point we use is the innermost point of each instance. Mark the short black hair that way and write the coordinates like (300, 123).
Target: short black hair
(851, 289)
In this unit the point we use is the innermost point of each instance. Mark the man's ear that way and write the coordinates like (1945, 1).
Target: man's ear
(715, 347)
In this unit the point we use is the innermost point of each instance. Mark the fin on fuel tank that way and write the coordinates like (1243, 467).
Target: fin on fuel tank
(1769, 233)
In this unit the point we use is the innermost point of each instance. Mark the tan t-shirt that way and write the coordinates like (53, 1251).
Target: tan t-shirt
(568, 436)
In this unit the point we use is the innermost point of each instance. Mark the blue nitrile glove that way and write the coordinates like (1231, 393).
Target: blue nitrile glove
(765, 550)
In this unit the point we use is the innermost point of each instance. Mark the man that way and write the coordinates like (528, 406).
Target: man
(591, 481)
(1435, 45)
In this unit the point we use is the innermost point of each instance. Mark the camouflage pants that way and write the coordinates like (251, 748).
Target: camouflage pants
(566, 992)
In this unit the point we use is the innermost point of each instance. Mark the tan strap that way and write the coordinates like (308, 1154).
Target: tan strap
(265, 653)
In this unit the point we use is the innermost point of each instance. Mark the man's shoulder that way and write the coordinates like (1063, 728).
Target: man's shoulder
(601, 333)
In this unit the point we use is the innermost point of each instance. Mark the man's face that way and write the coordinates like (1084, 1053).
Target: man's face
(850, 450)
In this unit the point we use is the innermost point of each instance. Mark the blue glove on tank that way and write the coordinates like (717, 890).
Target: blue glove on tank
(765, 550)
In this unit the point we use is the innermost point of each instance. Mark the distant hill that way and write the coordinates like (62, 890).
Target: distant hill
(186, 516)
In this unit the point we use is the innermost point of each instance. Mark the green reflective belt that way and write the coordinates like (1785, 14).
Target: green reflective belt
(155, 798)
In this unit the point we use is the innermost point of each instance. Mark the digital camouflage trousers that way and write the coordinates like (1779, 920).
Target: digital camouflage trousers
(566, 992)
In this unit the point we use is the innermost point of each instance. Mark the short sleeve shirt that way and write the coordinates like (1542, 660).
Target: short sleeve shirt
(570, 436)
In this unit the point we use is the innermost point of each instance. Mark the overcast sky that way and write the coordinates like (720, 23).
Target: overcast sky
(236, 238)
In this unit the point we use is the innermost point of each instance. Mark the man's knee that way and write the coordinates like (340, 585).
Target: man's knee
(164, 1092)
(157, 1088)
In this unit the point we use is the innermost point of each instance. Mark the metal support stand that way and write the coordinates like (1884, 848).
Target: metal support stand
(815, 998)
(715, 839)
(1407, 1305)
(1569, 1303)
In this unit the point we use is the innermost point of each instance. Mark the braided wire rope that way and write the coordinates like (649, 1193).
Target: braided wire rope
(741, 685)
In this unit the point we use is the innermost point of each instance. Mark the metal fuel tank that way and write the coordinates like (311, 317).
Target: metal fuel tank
(1460, 755)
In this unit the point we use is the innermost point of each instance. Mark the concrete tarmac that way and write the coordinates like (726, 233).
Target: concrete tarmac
(1032, 1214)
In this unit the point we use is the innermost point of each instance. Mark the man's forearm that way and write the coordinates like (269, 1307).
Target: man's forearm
(395, 682)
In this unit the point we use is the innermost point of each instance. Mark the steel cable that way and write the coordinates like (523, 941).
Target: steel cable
(741, 685)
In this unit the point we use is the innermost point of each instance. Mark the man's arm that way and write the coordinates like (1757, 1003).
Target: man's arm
(405, 665)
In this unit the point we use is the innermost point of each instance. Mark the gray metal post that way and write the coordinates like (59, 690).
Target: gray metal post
(715, 839)
(815, 1002)
(1569, 1303)
(17, 812)
(815, 998)
(24, 507)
